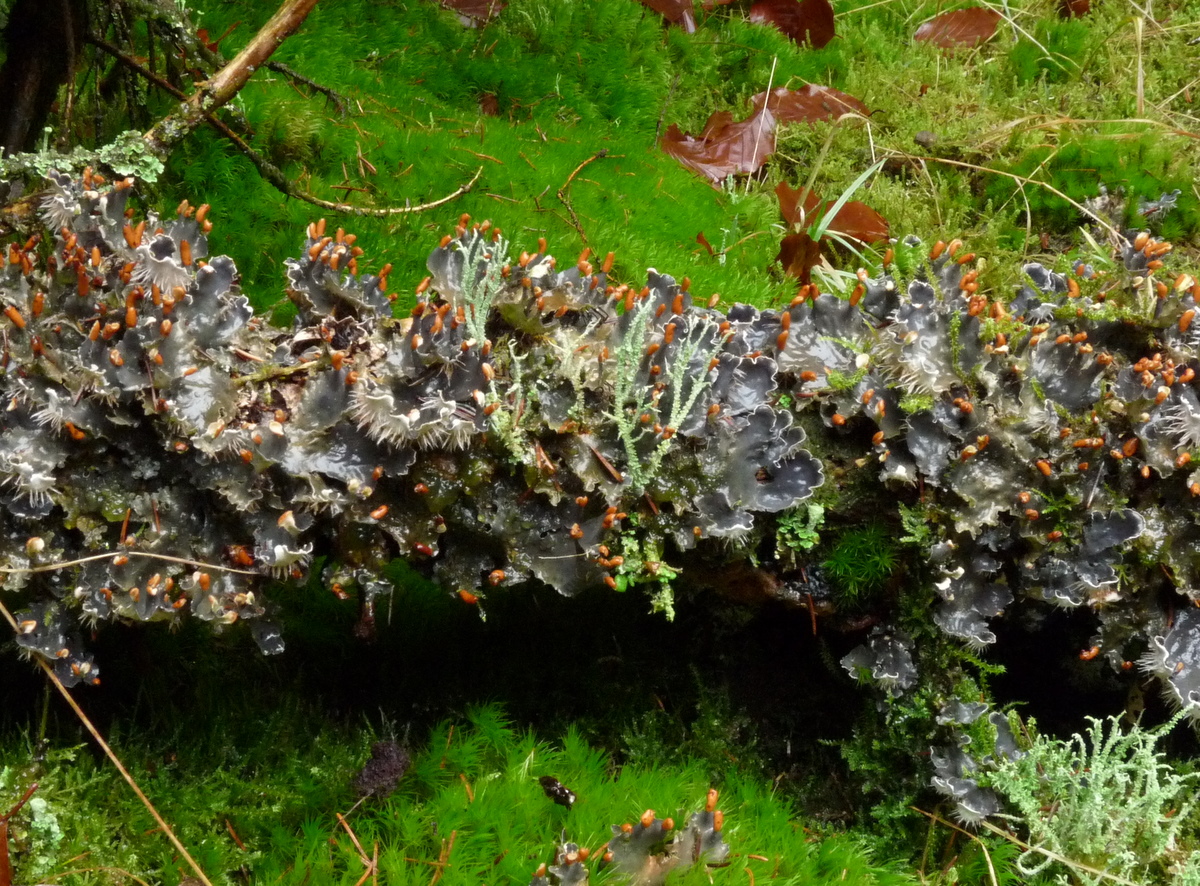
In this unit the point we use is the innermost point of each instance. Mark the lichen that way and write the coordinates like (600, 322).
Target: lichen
(643, 852)
(530, 423)
(479, 436)
(126, 155)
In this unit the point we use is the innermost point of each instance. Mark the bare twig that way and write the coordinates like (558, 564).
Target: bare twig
(987, 856)
(17, 806)
(83, 718)
(562, 192)
(51, 877)
(139, 69)
(273, 175)
(339, 100)
(371, 865)
(443, 858)
(6, 873)
(234, 834)
(64, 564)
(1000, 832)
(1076, 865)
(1042, 121)
(666, 103)
(353, 838)
(605, 463)
(1139, 28)
(762, 116)
(274, 372)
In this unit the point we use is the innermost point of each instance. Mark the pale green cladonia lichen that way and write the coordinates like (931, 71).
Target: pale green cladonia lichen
(126, 155)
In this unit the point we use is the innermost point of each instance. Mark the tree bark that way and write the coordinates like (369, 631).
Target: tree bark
(42, 40)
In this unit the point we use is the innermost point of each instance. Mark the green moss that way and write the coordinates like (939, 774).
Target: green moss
(880, 756)
(1057, 56)
(643, 566)
(914, 403)
(414, 118)
(841, 381)
(860, 561)
(1137, 161)
(471, 792)
(955, 332)
(571, 79)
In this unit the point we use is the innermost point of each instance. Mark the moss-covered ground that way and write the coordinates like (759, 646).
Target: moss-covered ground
(628, 711)
(261, 806)
(1079, 104)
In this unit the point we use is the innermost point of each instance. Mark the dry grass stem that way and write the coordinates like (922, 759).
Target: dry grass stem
(108, 751)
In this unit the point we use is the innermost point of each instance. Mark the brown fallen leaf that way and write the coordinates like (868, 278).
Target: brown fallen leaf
(860, 222)
(855, 219)
(475, 13)
(799, 254)
(808, 104)
(962, 27)
(804, 21)
(1073, 8)
(677, 12)
(489, 105)
(790, 208)
(724, 147)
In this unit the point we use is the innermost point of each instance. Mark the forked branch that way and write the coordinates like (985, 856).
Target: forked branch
(268, 170)
(227, 82)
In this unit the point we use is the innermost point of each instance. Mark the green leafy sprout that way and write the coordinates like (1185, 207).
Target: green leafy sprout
(643, 565)
(798, 532)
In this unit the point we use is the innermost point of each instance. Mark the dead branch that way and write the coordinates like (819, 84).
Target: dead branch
(135, 66)
(562, 192)
(387, 211)
(164, 558)
(227, 82)
(339, 100)
(268, 170)
(170, 20)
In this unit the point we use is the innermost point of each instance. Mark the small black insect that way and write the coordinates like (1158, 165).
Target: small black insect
(557, 791)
